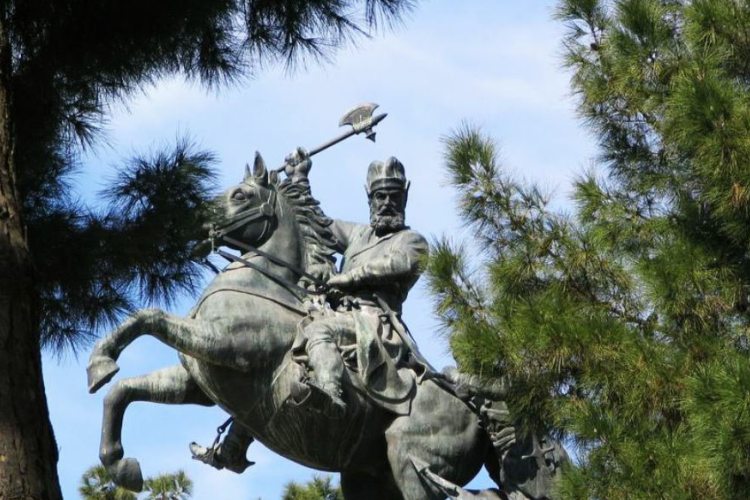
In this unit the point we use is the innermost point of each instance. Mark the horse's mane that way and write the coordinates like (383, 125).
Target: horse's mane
(313, 223)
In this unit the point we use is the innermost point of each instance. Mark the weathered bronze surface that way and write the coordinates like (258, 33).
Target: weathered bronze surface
(315, 362)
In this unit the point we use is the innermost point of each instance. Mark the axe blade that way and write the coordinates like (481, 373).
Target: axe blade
(358, 114)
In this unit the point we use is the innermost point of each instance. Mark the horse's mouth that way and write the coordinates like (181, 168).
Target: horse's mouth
(218, 227)
(226, 225)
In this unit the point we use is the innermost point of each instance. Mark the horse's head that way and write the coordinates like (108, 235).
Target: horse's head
(247, 212)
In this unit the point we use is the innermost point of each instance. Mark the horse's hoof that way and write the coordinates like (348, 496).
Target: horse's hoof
(101, 369)
(127, 473)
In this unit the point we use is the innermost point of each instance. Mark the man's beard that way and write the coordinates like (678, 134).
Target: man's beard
(384, 224)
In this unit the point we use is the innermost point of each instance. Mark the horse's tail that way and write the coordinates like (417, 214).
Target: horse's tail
(492, 389)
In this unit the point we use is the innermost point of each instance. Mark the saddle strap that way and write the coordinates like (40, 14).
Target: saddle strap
(277, 279)
(403, 332)
(250, 248)
(280, 302)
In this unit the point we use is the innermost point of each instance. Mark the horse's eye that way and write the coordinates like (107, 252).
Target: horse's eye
(239, 195)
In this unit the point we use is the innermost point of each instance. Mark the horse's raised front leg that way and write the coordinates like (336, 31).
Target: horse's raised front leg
(171, 385)
(195, 338)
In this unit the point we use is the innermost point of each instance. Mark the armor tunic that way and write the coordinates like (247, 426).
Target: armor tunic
(373, 266)
(388, 265)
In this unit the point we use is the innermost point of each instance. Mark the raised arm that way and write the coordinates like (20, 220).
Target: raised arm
(344, 232)
(297, 165)
(297, 169)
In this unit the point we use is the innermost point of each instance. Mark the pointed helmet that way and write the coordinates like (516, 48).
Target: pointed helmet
(387, 174)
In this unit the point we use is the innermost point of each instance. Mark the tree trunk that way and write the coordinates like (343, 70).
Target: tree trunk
(28, 452)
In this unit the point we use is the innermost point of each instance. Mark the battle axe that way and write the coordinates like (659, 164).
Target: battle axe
(361, 120)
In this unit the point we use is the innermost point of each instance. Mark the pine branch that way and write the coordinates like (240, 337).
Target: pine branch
(624, 326)
(99, 266)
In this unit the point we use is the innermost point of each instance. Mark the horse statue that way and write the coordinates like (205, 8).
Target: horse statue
(234, 349)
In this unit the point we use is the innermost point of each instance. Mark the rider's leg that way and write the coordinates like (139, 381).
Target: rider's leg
(323, 354)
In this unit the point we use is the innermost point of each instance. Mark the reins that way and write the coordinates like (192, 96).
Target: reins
(247, 247)
(266, 211)
(268, 274)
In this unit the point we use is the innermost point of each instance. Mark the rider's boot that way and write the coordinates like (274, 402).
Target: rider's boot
(325, 384)
(220, 458)
(327, 397)
(230, 454)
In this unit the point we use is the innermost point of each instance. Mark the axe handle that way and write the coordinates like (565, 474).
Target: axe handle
(336, 140)
(330, 143)
(327, 145)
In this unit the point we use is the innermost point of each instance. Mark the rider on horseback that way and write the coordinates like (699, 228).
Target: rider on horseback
(355, 335)
(381, 262)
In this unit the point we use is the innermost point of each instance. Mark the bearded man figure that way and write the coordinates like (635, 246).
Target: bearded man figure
(359, 326)
(380, 264)
(353, 337)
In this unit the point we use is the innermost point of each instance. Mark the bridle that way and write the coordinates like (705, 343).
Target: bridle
(266, 212)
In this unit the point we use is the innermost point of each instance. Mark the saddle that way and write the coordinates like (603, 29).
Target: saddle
(377, 364)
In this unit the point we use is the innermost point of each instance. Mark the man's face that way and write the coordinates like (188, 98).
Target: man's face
(387, 206)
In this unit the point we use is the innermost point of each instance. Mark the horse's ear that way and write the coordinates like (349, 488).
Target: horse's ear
(248, 173)
(259, 170)
(273, 177)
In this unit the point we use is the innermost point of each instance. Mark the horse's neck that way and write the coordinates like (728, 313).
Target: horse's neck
(286, 243)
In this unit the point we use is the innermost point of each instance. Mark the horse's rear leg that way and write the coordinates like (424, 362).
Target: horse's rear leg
(195, 338)
(171, 385)
(440, 431)
(406, 475)
(362, 486)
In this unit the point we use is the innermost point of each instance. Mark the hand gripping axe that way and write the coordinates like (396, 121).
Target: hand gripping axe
(361, 120)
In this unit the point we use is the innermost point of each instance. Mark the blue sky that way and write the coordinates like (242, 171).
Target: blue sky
(494, 64)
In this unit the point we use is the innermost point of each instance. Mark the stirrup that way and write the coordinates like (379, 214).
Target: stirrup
(213, 457)
(205, 455)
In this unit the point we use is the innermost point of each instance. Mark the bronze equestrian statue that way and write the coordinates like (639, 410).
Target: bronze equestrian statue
(317, 364)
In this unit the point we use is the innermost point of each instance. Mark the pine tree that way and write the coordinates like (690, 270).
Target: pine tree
(177, 486)
(623, 326)
(97, 484)
(66, 269)
(319, 488)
